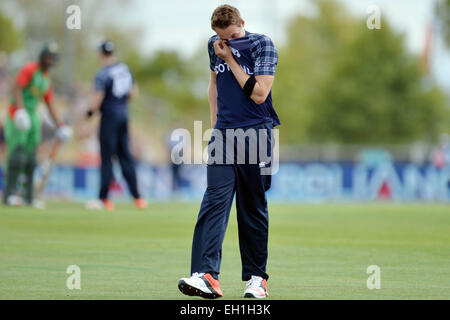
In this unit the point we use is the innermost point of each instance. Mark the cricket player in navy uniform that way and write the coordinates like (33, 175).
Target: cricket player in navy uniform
(242, 73)
(114, 86)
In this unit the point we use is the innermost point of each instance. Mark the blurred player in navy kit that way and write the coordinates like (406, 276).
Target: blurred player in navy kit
(114, 86)
(242, 73)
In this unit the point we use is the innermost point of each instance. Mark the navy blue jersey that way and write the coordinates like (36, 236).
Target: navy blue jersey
(256, 54)
(116, 82)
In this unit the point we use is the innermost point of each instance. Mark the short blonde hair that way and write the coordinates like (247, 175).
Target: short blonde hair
(225, 16)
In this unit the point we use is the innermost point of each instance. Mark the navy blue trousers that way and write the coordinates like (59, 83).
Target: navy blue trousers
(223, 183)
(114, 142)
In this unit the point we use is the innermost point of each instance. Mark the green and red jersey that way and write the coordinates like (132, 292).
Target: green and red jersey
(35, 85)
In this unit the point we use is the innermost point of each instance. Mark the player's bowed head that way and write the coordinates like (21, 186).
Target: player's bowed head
(227, 22)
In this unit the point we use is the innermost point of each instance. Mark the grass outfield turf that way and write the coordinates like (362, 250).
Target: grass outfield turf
(315, 251)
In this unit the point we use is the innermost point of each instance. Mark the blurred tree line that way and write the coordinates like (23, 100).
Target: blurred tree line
(9, 35)
(340, 82)
(44, 20)
(336, 81)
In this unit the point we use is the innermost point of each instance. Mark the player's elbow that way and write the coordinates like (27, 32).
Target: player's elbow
(258, 98)
(260, 94)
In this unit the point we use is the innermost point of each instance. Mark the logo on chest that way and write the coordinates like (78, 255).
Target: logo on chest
(235, 52)
(37, 91)
(224, 67)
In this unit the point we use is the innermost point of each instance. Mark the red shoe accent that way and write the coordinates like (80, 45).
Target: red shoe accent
(108, 204)
(264, 282)
(140, 203)
(213, 283)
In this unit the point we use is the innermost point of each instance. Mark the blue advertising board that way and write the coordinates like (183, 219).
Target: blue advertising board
(294, 182)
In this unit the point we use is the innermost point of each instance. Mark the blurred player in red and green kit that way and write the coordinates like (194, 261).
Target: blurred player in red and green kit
(23, 129)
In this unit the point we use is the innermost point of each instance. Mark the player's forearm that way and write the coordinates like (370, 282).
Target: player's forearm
(134, 92)
(94, 106)
(96, 101)
(18, 98)
(212, 97)
(238, 73)
(260, 92)
(213, 115)
(52, 112)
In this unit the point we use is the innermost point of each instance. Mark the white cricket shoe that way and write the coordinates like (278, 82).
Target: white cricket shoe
(14, 201)
(200, 284)
(95, 204)
(256, 288)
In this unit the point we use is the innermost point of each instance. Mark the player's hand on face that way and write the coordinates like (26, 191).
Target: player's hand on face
(222, 50)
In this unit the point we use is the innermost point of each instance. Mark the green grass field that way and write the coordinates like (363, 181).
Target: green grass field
(316, 252)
